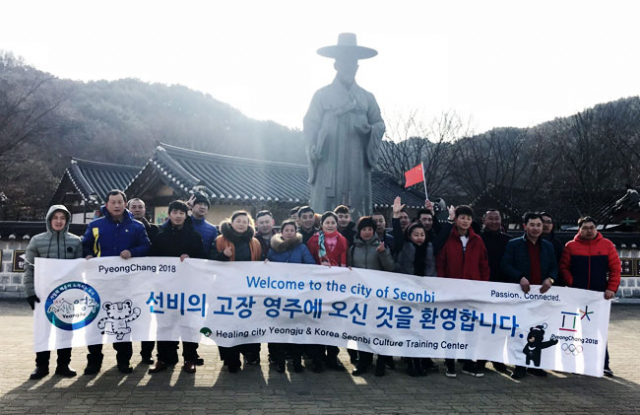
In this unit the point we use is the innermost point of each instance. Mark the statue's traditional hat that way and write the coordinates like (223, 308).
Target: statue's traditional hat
(347, 48)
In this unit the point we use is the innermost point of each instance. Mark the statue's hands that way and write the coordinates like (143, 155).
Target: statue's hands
(313, 154)
(363, 128)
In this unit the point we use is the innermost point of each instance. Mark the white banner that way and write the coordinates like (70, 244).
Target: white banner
(105, 300)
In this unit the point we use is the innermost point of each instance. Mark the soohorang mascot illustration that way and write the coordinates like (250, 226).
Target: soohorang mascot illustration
(535, 344)
(119, 315)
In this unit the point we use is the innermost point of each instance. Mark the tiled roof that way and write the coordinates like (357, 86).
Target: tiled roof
(93, 179)
(232, 179)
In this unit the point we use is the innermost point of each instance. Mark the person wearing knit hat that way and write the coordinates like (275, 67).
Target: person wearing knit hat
(369, 253)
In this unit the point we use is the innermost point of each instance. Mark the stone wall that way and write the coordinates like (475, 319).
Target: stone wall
(11, 283)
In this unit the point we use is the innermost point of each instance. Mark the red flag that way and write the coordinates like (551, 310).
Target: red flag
(414, 176)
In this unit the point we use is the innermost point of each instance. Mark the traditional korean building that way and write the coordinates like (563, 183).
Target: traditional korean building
(234, 183)
(85, 183)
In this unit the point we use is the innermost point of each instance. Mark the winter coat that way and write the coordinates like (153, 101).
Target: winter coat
(364, 254)
(591, 264)
(244, 247)
(152, 229)
(50, 244)
(496, 244)
(558, 246)
(515, 262)
(337, 257)
(208, 232)
(389, 241)
(292, 251)
(349, 233)
(105, 237)
(265, 245)
(469, 264)
(307, 235)
(174, 242)
(406, 260)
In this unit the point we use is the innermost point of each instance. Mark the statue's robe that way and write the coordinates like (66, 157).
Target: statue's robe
(341, 157)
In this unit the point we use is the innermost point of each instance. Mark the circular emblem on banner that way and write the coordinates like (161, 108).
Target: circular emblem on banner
(72, 305)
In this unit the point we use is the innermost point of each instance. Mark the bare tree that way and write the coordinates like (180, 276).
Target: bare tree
(410, 141)
(23, 105)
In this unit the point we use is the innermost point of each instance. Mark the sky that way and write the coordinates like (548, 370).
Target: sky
(494, 63)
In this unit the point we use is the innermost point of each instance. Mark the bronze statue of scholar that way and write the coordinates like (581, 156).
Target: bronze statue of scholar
(344, 130)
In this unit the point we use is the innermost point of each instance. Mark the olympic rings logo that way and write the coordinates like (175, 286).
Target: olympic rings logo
(571, 349)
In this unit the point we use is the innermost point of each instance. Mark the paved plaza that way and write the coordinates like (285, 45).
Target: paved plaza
(261, 390)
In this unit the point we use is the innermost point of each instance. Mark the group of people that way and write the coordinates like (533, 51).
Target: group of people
(421, 246)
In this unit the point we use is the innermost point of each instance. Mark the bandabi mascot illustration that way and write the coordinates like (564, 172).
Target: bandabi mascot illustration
(119, 315)
(535, 344)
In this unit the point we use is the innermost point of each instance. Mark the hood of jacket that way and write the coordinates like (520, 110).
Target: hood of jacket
(50, 213)
(278, 243)
(595, 240)
(233, 236)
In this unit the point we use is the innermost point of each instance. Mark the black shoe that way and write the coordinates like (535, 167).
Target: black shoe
(318, 367)
(608, 372)
(429, 366)
(451, 370)
(65, 371)
(158, 367)
(252, 360)
(359, 371)
(280, 366)
(500, 367)
(537, 372)
(125, 368)
(380, 368)
(199, 361)
(147, 361)
(334, 364)
(471, 370)
(92, 369)
(411, 368)
(39, 373)
(297, 366)
(519, 373)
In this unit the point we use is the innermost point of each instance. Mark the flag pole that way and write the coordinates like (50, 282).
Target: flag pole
(424, 180)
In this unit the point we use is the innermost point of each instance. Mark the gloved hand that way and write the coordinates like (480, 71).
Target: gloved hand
(32, 300)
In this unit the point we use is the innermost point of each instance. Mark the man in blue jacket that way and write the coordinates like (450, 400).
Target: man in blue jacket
(199, 204)
(114, 234)
(528, 260)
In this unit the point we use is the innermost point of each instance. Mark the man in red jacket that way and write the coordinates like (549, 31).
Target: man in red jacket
(463, 256)
(591, 262)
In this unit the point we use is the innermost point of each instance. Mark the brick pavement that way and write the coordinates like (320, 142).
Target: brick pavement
(261, 390)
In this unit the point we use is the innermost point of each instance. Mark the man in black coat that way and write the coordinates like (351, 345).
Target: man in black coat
(306, 218)
(345, 226)
(177, 238)
(495, 240)
(138, 209)
(548, 233)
